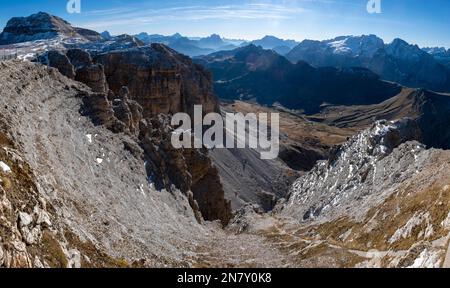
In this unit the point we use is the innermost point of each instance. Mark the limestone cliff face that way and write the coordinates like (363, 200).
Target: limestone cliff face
(60, 60)
(159, 79)
(190, 170)
(93, 76)
(135, 91)
(75, 194)
(157, 89)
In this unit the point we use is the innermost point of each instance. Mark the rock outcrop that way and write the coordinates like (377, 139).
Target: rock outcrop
(58, 59)
(207, 186)
(93, 76)
(163, 81)
(363, 168)
(79, 58)
(100, 109)
(127, 111)
(77, 64)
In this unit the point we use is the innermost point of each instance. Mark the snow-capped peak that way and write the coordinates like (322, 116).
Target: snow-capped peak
(365, 45)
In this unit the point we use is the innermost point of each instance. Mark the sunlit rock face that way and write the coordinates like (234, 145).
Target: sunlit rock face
(365, 167)
(163, 81)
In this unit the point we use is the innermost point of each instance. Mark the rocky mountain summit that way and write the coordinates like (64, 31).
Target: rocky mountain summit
(397, 61)
(349, 46)
(43, 26)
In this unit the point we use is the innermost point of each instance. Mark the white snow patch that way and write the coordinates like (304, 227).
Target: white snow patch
(340, 47)
(5, 168)
(99, 160)
(27, 56)
(141, 189)
(89, 137)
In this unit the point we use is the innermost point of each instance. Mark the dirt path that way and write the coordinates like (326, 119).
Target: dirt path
(225, 249)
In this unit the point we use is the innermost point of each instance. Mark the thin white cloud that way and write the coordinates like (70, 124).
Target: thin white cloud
(108, 12)
(132, 17)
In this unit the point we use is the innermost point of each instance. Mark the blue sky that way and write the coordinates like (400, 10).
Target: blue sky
(423, 22)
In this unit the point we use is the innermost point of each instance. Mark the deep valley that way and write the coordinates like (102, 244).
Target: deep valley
(89, 178)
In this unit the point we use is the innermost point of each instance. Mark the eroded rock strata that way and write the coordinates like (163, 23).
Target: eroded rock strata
(135, 91)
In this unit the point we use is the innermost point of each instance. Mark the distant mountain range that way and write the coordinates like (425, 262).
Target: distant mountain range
(253, 73)
(397, 61)
(177, 42)
(41, 26)
(198, 46)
